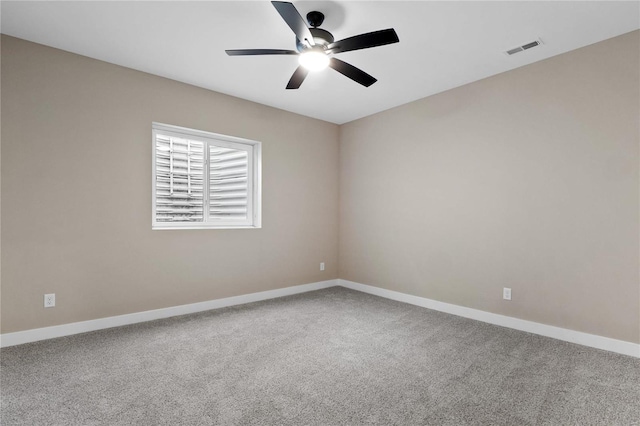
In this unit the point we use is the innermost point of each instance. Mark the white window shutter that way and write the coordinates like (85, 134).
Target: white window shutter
(230, 184)
(203, 180)
(179, 169)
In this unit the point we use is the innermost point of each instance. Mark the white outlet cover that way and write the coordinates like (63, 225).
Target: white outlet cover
(322, 266)
(49, 300)
(506, 293)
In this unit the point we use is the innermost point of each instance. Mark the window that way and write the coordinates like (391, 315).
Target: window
(204, 180)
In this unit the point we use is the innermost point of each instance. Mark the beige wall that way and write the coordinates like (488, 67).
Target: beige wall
(528, 179)
(76, 189)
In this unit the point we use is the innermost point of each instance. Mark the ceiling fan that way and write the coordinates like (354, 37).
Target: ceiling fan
(315, 46)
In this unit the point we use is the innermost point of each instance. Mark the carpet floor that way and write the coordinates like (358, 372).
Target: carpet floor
(329, 357)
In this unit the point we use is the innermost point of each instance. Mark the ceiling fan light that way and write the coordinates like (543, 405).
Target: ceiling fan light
(314, 60)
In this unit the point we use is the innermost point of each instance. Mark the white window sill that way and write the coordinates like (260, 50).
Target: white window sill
(168, 228)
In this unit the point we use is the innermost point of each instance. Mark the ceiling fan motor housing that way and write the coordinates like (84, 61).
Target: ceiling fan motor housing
(320, 38)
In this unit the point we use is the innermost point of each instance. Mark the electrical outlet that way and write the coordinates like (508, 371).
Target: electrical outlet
(49, 300)
(506, 293)
(322, 266)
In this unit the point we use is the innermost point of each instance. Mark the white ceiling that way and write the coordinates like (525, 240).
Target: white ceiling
(442, 44)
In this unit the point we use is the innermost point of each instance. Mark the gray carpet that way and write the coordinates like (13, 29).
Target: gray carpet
(329, 357)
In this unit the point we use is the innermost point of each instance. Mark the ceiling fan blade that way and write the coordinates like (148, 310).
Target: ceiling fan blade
(364, 41)
(355, 74)
(244, 52)
(291, 16)
(298, 77)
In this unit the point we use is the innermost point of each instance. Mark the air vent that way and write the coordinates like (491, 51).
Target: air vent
(523, 47)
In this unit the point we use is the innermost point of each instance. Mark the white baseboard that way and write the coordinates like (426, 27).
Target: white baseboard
(33, 335)
(591, 340)
(585, 339)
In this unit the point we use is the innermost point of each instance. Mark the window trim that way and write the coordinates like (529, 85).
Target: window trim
(217, 140)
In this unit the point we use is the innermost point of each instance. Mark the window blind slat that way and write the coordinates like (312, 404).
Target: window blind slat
(222, 174)
(221, 218)
(223, 203)
(221, 184)
(219, 212)
(229, 164)
(231, 156)
(220, 195)
(228, 187)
